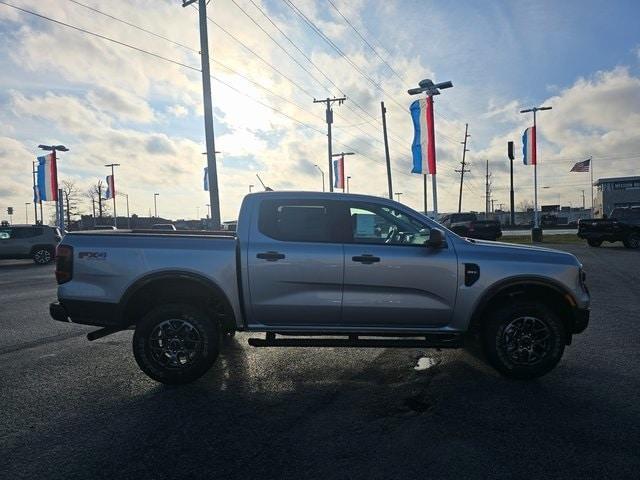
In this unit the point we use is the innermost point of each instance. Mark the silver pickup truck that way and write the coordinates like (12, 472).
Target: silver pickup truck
(321, 269)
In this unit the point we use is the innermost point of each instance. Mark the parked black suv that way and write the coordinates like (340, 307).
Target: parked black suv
(623, 226)
(29, 241)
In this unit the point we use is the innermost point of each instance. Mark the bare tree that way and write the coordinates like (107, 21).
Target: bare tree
(71, 196)
(96, 196)
(525, 205)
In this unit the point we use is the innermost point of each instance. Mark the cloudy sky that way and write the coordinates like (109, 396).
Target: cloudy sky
(110, 103)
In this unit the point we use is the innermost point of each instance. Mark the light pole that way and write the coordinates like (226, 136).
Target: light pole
(26, 211)
(35, 196)
(155, 204)
(348, 178)
(208, 210)
(126, 195)
(54, 171)
(535, 233)
(340, 165)
(397, 194)
(112, 189)
(322, 173)
(250, 188)
(430, 89)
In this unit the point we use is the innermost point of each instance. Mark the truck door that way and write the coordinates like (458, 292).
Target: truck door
(296, 263)
(391, 278)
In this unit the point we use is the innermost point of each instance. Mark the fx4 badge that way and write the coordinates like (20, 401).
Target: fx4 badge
(92, 255)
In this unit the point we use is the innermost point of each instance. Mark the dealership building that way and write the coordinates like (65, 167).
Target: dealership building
(615, 192)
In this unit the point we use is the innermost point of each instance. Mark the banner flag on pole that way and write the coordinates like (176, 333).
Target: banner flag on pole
(423, 147)
(47, 178)
(529, 146)
(36, 194)
(206, 179)
(338, 172)
(581, 166)
(111, 188)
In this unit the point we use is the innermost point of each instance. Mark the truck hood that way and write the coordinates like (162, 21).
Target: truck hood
(515, 251)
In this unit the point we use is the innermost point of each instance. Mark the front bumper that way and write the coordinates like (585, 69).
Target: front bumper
(580, 319)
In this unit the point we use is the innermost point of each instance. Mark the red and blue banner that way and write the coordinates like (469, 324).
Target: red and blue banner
(47, 178)
(111, 188)
(529, 146)
(423, 147)
(338, 172)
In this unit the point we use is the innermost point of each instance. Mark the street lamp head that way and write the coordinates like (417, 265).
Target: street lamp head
(50, 148)
(427, 86)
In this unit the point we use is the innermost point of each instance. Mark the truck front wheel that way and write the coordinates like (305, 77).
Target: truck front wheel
(176, 343)
(524, 340)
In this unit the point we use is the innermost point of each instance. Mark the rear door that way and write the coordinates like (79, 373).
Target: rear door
(296, 263)
(6, 241)
(391, 278)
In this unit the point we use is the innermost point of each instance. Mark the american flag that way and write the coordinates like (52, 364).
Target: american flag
(581, 166)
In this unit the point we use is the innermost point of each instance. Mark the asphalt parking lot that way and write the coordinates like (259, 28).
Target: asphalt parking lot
(77, 409)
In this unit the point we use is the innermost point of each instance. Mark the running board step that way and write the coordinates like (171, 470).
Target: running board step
(430, 341)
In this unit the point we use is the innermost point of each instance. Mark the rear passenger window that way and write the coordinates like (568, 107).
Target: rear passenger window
(300, 221)
(27, 232)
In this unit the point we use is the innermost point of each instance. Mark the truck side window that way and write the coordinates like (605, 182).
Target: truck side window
(385, 225)
(300, 221)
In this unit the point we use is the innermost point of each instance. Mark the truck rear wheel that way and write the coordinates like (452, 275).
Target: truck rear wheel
(524, 340)
(176, 343)
(594, 243)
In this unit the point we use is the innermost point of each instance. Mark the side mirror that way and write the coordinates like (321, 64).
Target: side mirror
(436, 238)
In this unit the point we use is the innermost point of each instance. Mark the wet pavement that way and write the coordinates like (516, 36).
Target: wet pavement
(75, 409)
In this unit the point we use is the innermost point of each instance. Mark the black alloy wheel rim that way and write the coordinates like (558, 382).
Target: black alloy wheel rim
(527, 340)
(175, 344)
(42, 256)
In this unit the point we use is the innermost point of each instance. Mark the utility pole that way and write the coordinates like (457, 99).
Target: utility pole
(35, 196)
(214, 196)
(462, 170)
(329, 117)
(155, 204)
(386, 150)
(112, 189)
(492, 208)
(487, 191)
(583, 199)
(511, 192)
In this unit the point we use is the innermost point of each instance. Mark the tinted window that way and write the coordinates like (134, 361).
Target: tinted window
(300, 221)
(384, 225)
(27, 232)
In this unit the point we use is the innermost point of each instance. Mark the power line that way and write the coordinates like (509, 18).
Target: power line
(186, 47)
(103, 37)
(366, 42)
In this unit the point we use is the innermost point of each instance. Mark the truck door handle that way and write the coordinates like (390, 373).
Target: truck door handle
(270, 256)
(366, 259)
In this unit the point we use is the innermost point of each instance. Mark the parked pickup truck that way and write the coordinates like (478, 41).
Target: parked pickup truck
(321, 270)
(623, 226)
(468, 225)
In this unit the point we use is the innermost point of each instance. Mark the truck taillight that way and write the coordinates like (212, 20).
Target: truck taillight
(64, 263)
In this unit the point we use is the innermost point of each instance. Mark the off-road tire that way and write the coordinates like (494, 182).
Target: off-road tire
(497, 340)
(166, 333)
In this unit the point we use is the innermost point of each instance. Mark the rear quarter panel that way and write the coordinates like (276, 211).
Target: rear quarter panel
(106, 265)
